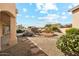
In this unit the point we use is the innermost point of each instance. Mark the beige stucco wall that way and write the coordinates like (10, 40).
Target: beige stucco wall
(9, 9)
(5, 18)
(13, 39)
(75, 21)
(0, 33)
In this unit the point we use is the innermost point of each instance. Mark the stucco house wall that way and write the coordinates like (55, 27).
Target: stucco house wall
(75, 16)
(11, 7)
(8, 16)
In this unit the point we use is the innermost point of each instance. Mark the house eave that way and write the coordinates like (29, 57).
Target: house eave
(74, 8)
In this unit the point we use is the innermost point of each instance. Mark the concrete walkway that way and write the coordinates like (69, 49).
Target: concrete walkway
(47, 44)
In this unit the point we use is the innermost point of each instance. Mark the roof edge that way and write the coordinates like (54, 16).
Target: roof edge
(74, 8)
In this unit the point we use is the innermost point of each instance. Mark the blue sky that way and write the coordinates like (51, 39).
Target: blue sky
(39, 14)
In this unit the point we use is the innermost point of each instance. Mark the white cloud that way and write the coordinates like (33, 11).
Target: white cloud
(64, 17)
(52, 18)
(70, 13)
(25, 10)
(30, 3)
(63, 13)
(32, 16)
(27, 16)
(43, 12)
(39, 6)
(39, 17)
(70, 6)
(18, 14)
(50, 7)
(46, 6)
(75, 4)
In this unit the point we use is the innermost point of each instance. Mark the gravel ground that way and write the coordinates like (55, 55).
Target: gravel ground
(24, 47)
(47, 44)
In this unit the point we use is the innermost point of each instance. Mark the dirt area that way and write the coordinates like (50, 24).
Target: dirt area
(34, 46)
(47, 44)
(24, 47)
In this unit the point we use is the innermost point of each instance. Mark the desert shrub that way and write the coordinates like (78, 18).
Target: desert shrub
(52, 27)
(48, 30)
(55, 29)
(72, 31)
(69, 43)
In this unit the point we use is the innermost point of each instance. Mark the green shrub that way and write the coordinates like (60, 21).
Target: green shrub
(72, 31)
(69, 43)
